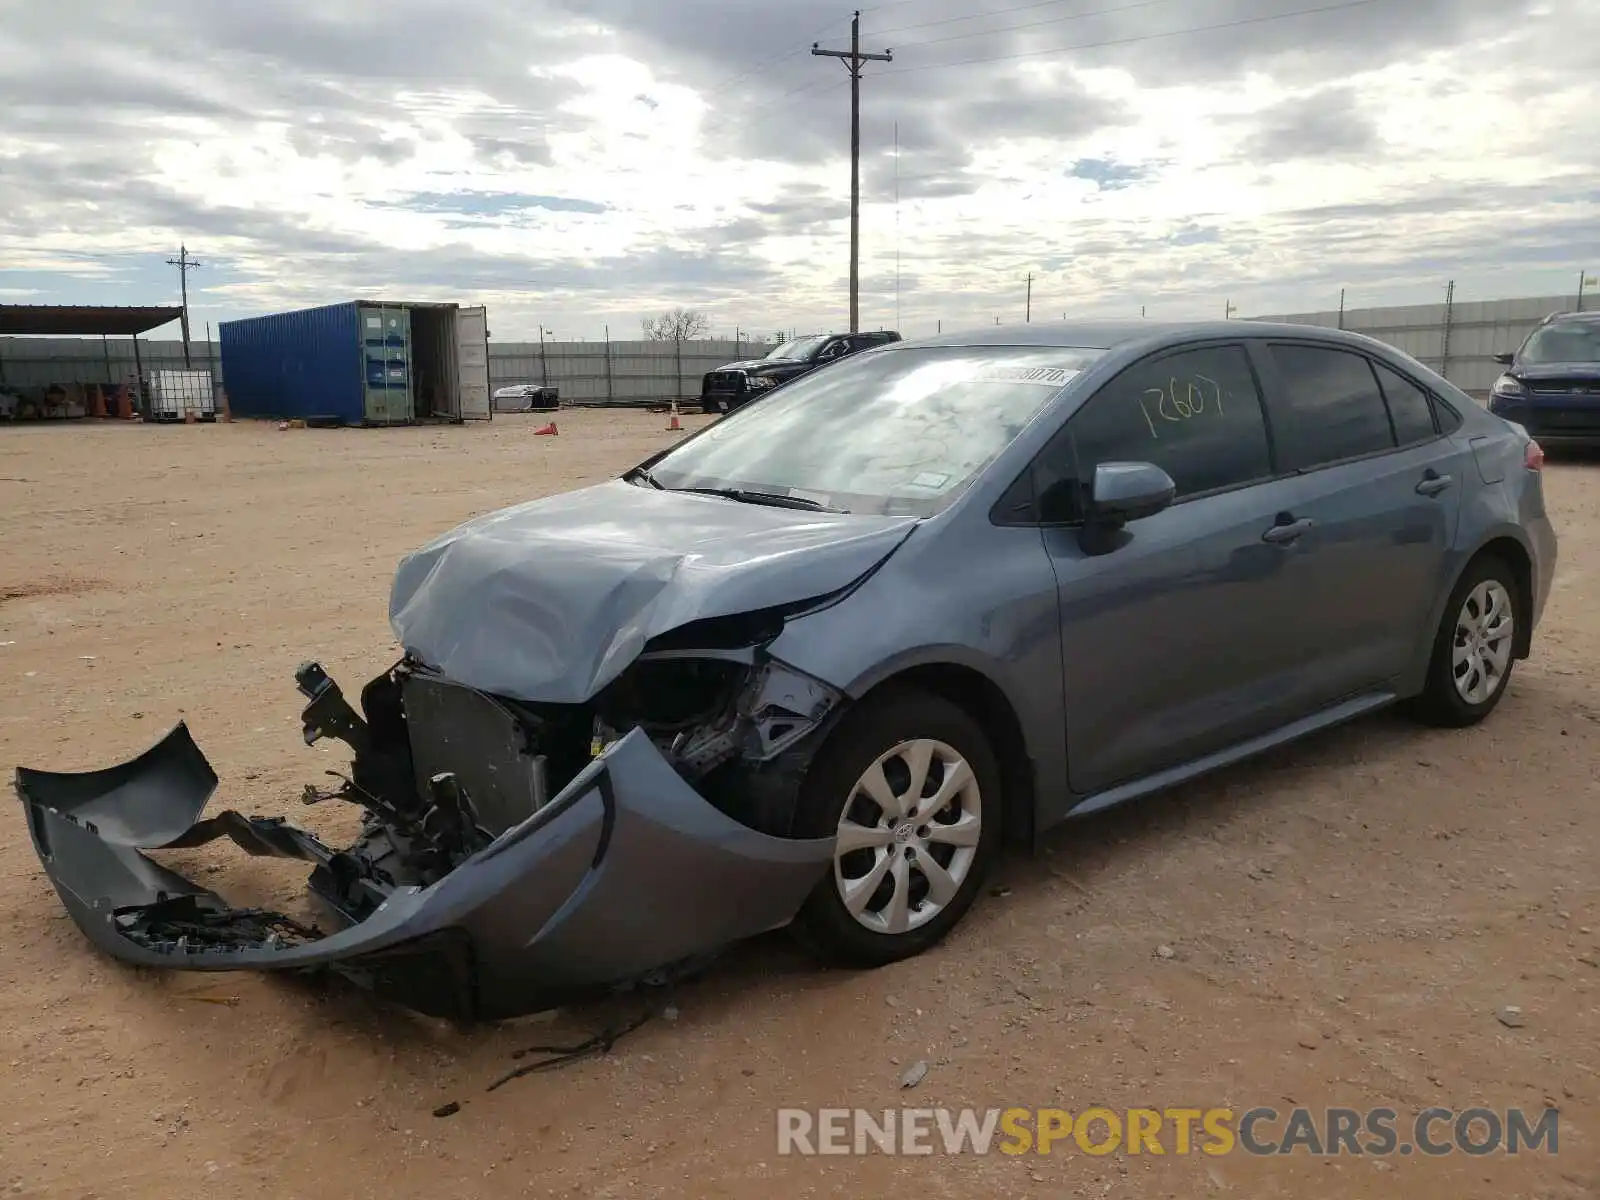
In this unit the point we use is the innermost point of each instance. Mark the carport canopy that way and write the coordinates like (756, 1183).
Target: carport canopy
(82, 320)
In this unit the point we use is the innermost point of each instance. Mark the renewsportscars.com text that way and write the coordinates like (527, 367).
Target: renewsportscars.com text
(1431, 1132)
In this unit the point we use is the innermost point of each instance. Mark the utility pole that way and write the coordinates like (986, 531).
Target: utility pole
(1228, 309)
(1028, 317)
(544, 363)
(185, 264)
(1449, 320)
(853, 60)
(610, 389)
(1341, 308)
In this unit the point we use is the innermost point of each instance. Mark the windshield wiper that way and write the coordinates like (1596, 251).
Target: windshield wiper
(771, 499)
(642, 475)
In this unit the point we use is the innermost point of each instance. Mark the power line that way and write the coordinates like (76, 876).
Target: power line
(773, 60)
(743, 117)
(1076, 16)
(977, 16)
(1145, 37)
(892, 4)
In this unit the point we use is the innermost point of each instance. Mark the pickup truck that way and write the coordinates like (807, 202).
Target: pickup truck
(734, 384)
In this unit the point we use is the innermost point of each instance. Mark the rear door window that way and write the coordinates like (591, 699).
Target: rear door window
(1196, 414)
(1330, 408)
(1409, 407)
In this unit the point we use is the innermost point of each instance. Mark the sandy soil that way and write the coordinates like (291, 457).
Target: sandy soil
(1336, 925)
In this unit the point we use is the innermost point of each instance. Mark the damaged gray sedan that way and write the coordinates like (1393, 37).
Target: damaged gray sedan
(813, 665)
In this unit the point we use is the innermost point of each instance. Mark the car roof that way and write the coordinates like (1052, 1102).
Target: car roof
(1572, 318)
(1107, 335)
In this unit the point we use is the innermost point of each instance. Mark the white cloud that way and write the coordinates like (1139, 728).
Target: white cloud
(585, 162)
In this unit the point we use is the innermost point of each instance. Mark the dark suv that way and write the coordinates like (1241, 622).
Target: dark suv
(1551, 386)
(733, 384)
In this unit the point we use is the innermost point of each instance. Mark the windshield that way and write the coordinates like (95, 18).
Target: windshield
(799, 348)
(897, 432)
(1568, 342)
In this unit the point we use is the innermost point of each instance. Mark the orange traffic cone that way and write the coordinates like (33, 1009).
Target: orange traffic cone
(549, 430)
(674, 425)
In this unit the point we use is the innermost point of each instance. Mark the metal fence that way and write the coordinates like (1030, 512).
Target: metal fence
(600, 373)
(1457, 339)
(29, 363)
(615, 373)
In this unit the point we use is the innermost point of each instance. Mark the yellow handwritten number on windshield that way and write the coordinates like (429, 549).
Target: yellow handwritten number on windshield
(1180, 402)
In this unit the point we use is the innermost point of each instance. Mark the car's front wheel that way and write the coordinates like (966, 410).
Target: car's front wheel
(909, 788)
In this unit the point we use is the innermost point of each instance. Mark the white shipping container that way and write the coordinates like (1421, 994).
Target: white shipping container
(176, 394)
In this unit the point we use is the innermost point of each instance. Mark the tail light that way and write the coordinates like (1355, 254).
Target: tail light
(1533, 456)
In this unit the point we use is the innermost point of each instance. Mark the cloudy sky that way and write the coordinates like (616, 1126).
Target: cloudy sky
(584, 163)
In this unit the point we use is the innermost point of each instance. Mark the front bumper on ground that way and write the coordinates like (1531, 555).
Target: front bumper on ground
(626, 873)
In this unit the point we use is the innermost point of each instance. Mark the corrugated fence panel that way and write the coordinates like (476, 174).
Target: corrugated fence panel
(636, 373)
(642, 372)
(621, 373)
(40, 362)
(1479, 330)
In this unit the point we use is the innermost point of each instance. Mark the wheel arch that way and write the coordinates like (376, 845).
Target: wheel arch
(1503, 541)
(1511, 551)
(986, 702)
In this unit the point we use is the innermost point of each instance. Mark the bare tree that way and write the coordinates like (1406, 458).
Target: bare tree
(676, 325)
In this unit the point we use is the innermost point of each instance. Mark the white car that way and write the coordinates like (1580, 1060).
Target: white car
(526, 397)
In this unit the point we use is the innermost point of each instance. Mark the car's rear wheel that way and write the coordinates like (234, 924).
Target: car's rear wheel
(909, 787)
(1474, 651)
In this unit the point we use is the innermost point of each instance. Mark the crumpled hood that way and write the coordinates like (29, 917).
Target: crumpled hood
(551, 600)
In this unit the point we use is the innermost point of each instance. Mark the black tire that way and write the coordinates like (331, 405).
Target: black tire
(884, 721)
(1441, 702)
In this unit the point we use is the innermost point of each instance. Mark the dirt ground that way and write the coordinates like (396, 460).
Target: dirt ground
(1339, 924)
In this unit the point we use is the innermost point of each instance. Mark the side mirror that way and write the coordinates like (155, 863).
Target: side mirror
(1505, 360)
(1128, 491)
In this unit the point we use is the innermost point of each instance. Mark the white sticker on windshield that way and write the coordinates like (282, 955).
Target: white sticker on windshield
(1044, 376)
(933, 480)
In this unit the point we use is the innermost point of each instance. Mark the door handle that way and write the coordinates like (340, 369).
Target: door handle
(1433, 483)
(1286, 531)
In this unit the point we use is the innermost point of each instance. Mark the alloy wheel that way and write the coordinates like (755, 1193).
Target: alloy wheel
(1481, 649)
(908, 836)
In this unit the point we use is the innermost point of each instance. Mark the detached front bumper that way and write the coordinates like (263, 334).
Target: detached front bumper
(625, 873)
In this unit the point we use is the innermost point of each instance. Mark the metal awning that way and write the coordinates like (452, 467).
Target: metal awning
(82, 320)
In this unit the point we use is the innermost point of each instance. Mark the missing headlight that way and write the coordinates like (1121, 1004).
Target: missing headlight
(670, 695)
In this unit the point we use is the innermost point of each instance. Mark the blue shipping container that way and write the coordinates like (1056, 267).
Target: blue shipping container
(296, 364)
(365, 362)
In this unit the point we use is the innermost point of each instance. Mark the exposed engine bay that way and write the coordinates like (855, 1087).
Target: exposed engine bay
(442, 770)
(456, 785)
